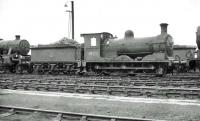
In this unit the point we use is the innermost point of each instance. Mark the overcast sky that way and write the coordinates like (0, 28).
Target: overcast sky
(45, 21)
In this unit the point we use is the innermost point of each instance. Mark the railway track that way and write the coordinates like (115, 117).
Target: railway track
(178, 86)
(141, 76)
(147, 91)
(159, 82)
(8, 113)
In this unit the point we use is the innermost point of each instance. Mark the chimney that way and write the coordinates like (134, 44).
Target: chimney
(17, 37)
(163, 28)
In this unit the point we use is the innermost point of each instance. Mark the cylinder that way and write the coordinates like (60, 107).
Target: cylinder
(17, 46)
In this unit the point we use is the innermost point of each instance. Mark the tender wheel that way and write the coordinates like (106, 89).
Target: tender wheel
(55, 72)
(40, 71)
(160, 71)
(65, 72)
(30, 70)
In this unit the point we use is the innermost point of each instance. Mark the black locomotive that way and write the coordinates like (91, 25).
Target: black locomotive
(103, 54)
(14, 55)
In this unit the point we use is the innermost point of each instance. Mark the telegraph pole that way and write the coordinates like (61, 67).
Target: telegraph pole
(72, 18)
(72, 11)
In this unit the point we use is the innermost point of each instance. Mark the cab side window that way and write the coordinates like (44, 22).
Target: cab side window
(93, 42)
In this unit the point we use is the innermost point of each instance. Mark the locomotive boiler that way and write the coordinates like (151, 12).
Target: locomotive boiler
(14, 54)
(18, 45)
(141, 47)
(103, 54)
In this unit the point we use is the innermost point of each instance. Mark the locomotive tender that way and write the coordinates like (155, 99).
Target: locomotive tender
(56, 58)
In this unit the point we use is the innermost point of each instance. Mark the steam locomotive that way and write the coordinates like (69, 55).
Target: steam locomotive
(101, 53)
(13, 55)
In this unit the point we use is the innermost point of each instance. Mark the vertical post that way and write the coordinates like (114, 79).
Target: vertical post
(72, 10)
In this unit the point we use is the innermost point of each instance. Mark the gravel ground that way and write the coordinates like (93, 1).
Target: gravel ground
(102, 106)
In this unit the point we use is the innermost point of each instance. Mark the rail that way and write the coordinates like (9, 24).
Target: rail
(52, 115)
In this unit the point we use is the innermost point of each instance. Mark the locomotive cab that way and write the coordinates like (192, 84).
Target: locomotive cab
(93, 45)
